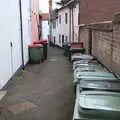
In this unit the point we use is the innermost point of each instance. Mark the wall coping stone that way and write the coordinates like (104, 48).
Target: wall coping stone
(106, 26)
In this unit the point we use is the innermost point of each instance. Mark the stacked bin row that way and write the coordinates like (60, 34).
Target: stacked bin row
(71, 48)
(97, 90)
(38, 51)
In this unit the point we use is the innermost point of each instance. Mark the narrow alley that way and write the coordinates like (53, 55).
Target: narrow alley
(46, 88)
(60, 60)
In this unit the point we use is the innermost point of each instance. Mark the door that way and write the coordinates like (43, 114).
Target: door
(15, 39)
(54, 40)
(62, 39)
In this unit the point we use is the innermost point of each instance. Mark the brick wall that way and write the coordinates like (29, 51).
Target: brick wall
(116, 48)
(101, 46)
(98, 10)
(105, 43)
(84, 37)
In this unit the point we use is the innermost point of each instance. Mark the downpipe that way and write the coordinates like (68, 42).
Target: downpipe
(21, 32)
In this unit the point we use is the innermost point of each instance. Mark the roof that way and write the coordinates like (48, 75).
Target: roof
(45, 16)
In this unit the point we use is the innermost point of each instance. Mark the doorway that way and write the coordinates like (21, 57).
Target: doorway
(62, 39)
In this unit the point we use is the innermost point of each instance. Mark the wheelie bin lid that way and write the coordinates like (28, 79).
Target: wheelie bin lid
(40, 41)
(81, 57)
(85, 62)
(93, 76)
(76, 45)
(100, 100)
(105, 85)
(35, 45)
(96, 74)
(92, 68)
(78, 116)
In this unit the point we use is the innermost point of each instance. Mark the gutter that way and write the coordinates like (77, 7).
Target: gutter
(21, 31)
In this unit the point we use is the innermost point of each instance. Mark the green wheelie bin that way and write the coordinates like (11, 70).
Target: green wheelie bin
(66, 47)
(35, 53)
(45, 47)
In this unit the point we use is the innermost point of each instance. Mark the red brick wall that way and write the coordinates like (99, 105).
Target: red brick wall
(98, 10)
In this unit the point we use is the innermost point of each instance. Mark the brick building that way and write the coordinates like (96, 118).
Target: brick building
(98, 10)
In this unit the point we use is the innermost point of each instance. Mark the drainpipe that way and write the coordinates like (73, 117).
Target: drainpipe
(70, 25)
(21, 30)
(30, 18)
(79, 23)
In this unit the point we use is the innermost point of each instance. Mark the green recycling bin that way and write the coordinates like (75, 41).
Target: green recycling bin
(35, 53)
(92, 76)
(45, 47)
(66, 47)
(99, 104)
(73, 50)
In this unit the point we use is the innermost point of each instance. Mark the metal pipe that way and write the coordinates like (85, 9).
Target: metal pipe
(21, 30)
(79, 23)
(70, 25)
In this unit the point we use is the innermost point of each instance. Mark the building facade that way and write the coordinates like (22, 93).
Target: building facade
(65, 24)
(35, 20)
(16, 34)
(97, 10)
(79, 13)
(62, 26)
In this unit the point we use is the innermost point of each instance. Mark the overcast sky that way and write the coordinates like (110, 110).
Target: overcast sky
(44, 5)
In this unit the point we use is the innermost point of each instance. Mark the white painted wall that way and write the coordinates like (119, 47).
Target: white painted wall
(27, 28)
(45, 30)
(14, 23)
(63, 28)
(5, 51)
(10, 33)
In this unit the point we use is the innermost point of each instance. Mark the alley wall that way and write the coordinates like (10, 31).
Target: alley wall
(105, 42)
(10, 36)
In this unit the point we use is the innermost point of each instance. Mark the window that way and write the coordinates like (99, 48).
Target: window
(66, 18)
(59, 39)
(59, 19)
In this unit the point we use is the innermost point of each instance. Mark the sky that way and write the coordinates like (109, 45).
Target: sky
(44, 6)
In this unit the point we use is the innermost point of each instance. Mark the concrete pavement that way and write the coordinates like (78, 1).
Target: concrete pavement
(41, 92)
